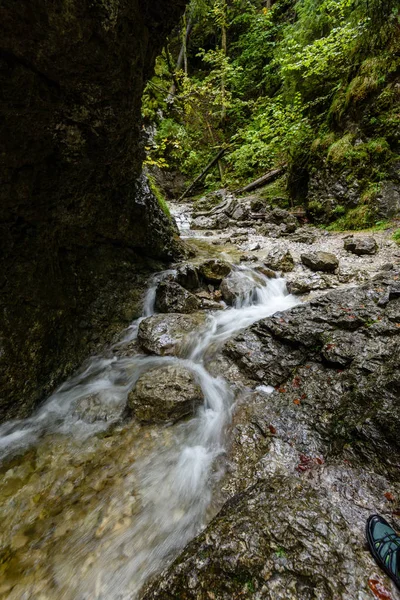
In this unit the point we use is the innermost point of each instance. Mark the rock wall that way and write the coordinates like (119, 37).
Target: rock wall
(76, 219)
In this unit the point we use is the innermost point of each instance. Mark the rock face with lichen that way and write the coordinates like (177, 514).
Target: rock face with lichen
(77, 220)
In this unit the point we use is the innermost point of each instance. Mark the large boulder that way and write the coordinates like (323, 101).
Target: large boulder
(77, 218)
(167, 333)
(320, 261)
(280, 259)
(173, 298)
(214, 270)
(361, 245)
(165, 394)
(238, 286)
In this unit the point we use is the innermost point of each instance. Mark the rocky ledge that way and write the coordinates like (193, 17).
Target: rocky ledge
(315, 449)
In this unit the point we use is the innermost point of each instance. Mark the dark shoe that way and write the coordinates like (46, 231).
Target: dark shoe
(384, 544)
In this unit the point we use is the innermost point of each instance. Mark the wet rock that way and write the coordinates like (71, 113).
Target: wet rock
(211, 200)
(170, 393)
(166, 333)
(214, 270)
(188, 277)
(237, 286)
(241, 213)
(266, 271)
(361, 245)
(204, 223)
(310, 460)
(320, 261)
(254, 246)
(304, 235)
(279, 539)
(280, 259)
(303, 283)
(258, 205)
(173, 298)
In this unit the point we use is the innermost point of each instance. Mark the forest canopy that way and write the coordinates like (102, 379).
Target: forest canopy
(278, 82)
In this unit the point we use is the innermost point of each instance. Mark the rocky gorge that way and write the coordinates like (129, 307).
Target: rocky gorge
(80, 228)
(236, 435)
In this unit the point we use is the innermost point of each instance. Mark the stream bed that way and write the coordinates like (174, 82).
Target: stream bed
(94, 504)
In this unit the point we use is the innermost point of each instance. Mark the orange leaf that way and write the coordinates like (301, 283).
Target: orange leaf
(389, 496)
(296, 401)
(379, 590)
(272, 429)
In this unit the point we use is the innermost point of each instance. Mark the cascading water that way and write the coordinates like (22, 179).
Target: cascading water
(174, 480)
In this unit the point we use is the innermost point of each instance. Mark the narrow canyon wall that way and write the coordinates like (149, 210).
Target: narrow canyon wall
(78, 224)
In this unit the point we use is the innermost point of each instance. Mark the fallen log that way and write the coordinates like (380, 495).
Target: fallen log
(203, 173)
(262, 181)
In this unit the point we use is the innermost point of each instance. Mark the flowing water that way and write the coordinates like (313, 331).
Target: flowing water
(95, 506)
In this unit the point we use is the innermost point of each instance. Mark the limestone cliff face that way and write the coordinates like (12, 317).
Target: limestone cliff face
(76, 219)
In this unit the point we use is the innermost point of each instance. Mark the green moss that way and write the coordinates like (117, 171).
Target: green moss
(339, 150)
(158, 194)
(360, 217)
(396, 236)
(276, 193)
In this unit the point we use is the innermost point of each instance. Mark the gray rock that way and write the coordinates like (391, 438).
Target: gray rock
(320, 261)
(241, 213)
(188, 277)
(173, 298)
(166, 333)
(280, 259)
(214, 270)
(304, 283)
(204, 223)
(237, 287)
(361, 245)
(388, 200)
(304, 235)
(166, 394)
(308, 462)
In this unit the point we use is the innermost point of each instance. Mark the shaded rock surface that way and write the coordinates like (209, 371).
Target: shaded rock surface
(361, 245)
(164, 334)
(310, 458)
(166, 394)
(320, 261)
(173, 298)
(188, 277)
(76, 218)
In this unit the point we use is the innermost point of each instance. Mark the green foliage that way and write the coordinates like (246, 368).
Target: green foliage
(361, 217)
(396, 236)
(158, 194)
(283, 88)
